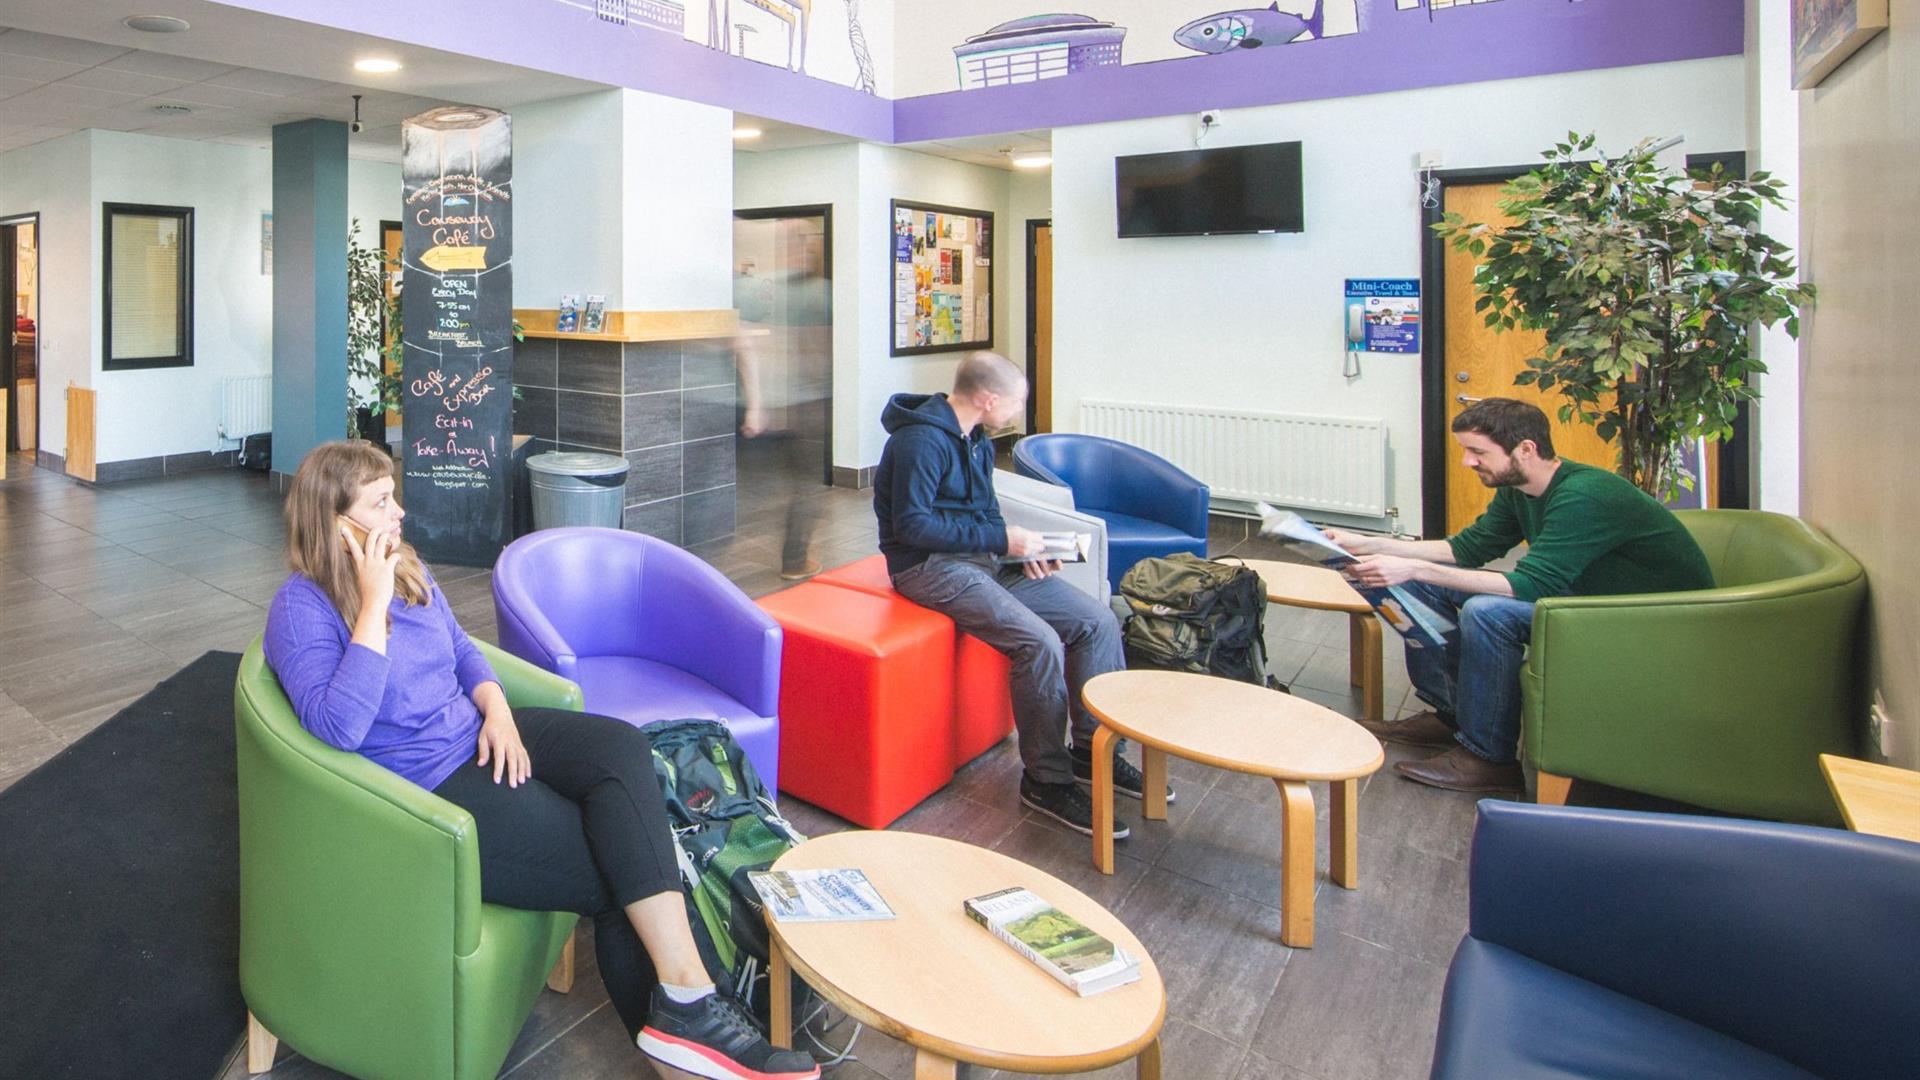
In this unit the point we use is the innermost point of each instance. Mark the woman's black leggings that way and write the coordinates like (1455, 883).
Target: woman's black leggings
(588, 834)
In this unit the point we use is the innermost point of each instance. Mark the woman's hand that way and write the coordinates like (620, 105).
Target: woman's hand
(373, 565)
(500, 743)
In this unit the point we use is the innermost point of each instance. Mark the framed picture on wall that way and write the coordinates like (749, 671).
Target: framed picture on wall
(1826, 32)
(941, 261)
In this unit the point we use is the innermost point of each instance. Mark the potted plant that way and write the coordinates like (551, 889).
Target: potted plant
(372, 343)
(1646, 283)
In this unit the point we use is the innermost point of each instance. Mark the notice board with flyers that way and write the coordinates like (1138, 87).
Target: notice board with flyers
(942, 262)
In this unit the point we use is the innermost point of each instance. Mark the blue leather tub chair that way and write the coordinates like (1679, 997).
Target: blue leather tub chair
(1151, 507)
(1604, 943)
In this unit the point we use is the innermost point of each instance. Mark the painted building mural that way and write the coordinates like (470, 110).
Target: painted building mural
(824, 39)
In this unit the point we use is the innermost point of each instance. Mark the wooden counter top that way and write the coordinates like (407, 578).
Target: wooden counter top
(638, 325)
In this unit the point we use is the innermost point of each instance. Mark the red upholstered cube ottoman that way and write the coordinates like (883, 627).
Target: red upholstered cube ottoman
(866, 701)
(982, 705)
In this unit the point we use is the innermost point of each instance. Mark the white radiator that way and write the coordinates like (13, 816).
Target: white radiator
(1312, 462)
(246, 406)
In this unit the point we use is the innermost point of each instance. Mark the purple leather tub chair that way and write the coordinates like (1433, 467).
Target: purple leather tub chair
(649, 631)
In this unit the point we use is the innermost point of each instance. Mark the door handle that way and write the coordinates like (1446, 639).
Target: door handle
(1465, 399)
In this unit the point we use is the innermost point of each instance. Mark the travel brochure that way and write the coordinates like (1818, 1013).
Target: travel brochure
(1059, 944)
(1422, 626)
(1063, 547)
(819, 895)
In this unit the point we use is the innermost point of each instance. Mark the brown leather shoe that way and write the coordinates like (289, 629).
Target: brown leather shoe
(1460, 769)
(1420, 729)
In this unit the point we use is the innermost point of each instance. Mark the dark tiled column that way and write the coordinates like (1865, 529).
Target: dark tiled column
(668, 407)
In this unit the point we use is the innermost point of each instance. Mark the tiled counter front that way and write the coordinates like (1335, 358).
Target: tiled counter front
(667, 406)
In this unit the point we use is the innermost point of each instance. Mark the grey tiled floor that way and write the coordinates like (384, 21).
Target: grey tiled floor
(107, 590)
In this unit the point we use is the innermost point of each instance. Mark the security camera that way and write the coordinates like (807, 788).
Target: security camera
(356, 127)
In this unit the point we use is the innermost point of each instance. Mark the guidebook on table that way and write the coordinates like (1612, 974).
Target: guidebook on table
(1061, 945)
(1422, 626)
(819, 895)
(1063, 547)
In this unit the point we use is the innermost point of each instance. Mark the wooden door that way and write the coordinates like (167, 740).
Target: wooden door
(1042, 388)
(1480, 363)
(390, 247)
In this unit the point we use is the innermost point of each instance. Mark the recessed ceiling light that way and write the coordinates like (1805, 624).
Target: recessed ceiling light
(172, 110)
(376, 65)
(1032, 161)
(155, 24)
(747, 133)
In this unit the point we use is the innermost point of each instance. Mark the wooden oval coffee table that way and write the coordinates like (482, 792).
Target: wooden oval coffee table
(1245, 728)
(941, 983)
(1317, 587)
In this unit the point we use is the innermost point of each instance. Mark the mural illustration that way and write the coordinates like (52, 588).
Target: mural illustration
(822, 39)
(1050, 46)
(1037, 47)
(1251, 28)
(1436, 5)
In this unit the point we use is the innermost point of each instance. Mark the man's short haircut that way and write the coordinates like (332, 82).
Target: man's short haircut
(987, 371)
(1508, 423)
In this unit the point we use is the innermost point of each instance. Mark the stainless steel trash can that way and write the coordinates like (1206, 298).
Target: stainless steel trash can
(574, 488)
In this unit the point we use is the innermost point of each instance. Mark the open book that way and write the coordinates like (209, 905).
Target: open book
(1422, 626)
(1063, 547)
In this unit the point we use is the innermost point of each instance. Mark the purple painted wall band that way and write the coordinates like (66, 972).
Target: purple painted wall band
(1394, 50)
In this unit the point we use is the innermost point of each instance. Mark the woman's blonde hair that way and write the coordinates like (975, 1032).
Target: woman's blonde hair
(326, 486)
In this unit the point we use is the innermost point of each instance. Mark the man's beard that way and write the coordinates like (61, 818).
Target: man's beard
(1512, 477)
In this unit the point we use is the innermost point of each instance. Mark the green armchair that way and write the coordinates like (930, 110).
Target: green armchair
(1723, 697)
(363, 940)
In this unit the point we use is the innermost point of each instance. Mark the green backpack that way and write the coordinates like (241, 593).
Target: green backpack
(725, 825)
(1191, 614)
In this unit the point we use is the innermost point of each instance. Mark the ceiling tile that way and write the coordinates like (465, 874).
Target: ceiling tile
(53, 47)
(30, 67)
(225, 97)
(10, 86)
(67, 93)
(267, 82)
(182, 68)
(125, 82)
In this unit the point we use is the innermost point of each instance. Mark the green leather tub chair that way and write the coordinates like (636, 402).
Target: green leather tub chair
(363, 941)
(1723, 697)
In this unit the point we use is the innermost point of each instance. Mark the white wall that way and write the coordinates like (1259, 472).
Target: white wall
(676, 179)
(567, 216)
(163, 410)
(55, 179)
(1773, 134)
(1256, 322)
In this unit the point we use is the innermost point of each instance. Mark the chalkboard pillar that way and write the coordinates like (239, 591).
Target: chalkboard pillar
(309, 288)
(457, 320)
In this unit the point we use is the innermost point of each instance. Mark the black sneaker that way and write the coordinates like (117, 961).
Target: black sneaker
(1066, 804)
(716, 1038)
(1127, 780)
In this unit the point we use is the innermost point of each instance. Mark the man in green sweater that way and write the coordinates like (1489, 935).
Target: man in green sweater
(1588, 532)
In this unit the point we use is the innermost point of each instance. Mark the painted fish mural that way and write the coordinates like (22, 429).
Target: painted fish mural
(1250, 28)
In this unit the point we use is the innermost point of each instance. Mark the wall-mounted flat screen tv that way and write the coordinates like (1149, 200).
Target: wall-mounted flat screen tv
(1231, 189)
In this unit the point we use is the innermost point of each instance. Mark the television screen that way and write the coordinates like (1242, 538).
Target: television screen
(1232, 189)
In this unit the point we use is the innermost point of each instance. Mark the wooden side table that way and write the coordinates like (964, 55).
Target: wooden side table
(1245, 728)
(1302, 586)
(1879, 799)
(941, 983)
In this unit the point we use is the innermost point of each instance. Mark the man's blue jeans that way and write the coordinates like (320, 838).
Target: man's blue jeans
(1475, 680)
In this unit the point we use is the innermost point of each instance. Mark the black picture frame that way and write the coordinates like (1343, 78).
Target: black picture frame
(184, 312)
(979, 217)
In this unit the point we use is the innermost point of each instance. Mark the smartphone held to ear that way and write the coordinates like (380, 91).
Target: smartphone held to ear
(356, 535)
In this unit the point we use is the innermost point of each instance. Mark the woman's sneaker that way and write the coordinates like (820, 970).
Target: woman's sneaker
(1066, 804)
(716, 1038)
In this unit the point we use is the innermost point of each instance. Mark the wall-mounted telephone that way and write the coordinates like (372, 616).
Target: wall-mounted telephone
(1356, 340)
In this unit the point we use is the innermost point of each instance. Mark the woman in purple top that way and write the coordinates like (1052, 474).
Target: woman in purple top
(567, 811)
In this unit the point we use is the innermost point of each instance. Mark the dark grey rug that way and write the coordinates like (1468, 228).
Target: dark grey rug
(119, 893)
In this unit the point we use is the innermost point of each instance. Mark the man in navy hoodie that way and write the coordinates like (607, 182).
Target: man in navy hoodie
(943, 536)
